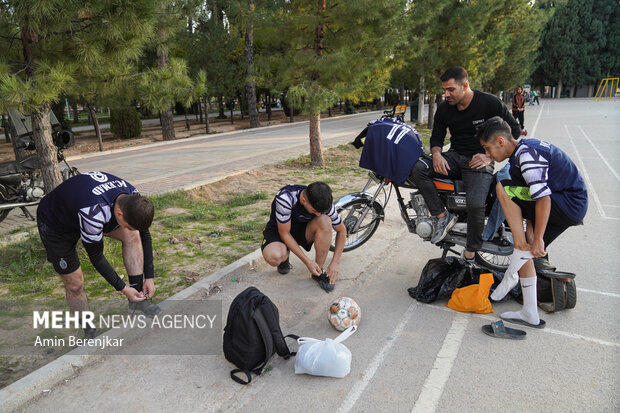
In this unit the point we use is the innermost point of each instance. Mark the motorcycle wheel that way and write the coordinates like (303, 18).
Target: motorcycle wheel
(492, 261)
(350, 214)
(4, 197)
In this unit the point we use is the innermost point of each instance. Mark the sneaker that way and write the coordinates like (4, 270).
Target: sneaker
(147, 307)
(324, 282)
(90, 332)
(442, 226)
(542, 264)
(470, 261)
(285, 266)
(524, 132)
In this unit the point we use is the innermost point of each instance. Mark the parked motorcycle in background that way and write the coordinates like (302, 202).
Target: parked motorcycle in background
(21, 184)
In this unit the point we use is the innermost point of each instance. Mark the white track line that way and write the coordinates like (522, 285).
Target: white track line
(537, 119)
(599, 153)
(440, 373)
(599, 292)
(374, 365)
(585, 175)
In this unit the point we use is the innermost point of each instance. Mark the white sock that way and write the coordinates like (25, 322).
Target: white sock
(529, 312)
(511, 276)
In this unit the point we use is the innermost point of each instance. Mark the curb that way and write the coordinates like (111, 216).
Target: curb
(34, 384)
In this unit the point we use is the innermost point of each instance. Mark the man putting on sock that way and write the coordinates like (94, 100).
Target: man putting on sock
(301, 216)
(548, 191)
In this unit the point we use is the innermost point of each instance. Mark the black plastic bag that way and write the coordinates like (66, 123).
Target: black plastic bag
(441, 276)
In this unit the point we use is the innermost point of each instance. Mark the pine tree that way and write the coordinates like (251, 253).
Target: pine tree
(330, 50)
(55, 37)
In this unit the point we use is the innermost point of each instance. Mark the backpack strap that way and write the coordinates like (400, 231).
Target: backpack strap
(237, 379)
(265, 333)
(271, 318)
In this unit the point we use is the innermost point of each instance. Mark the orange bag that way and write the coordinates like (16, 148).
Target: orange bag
(473, 298)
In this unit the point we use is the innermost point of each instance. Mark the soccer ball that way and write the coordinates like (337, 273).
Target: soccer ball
(343, 313)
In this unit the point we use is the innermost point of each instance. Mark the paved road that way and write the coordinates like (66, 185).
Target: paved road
(407, 356)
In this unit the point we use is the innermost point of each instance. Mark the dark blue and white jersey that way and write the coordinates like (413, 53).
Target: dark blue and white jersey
(548, 171)
(286, 208)
(391, 149)
(84, 204)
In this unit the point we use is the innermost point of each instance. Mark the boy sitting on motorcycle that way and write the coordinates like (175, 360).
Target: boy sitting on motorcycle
(301, 216)
(547, 190)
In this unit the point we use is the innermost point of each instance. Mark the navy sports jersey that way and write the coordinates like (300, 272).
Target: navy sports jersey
(462, 123)
(84, 204)
(391, 149)
(286, 208)
(548, 171)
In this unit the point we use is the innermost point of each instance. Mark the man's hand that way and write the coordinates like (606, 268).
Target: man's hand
(132, 294)
(314, 268)
(538, 248)
(332, 272)
(148, 287)
(440, 165)
(479, 161)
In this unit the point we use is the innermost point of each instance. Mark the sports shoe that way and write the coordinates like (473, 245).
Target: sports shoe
(442, 226)
(285, 266)
(542, 264)
(324, 282)
(470, 261)
(524, 132)
(147, 307)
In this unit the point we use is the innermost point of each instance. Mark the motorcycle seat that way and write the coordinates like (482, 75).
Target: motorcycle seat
(9, 168)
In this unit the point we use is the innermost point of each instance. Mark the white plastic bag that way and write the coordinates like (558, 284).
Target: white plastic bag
(328, 358)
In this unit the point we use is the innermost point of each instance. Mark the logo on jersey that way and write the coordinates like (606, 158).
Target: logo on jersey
(98, 176)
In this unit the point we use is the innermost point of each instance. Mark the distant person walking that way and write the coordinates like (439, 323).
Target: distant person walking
(518, 108)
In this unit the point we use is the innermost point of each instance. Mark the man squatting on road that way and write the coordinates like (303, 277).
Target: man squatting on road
(89, 206)
(300, 216)
(547, 190)
(461, 112)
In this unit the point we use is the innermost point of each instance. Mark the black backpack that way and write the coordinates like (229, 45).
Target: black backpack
(252, 334)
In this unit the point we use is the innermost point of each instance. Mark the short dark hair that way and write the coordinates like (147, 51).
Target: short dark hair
(319, 195)
(458, 73)
(492, 128)
(137, 210)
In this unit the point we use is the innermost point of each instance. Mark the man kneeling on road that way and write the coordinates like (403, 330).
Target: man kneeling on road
(547, 190)
(300, 216)
(89, 206)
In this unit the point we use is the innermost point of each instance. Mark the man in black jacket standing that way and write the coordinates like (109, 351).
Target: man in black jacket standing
(461, 112)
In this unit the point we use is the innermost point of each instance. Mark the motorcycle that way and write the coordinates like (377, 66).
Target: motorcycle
(363, 211)
(21, 184)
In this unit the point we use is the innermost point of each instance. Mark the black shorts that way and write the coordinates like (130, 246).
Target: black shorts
(60, 248)
(557, 223)
(298, 231)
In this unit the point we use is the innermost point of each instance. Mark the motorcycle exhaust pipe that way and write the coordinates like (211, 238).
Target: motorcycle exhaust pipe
(18, 205)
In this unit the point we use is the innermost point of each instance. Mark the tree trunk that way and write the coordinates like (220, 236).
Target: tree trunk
(421, 101)
(248, 50)
(76, 114)
(220, 106)
(93, 115)
(207, 126)
(48, 162)
(558, 91)
(199, 107)
(5, 127)
(431, 111)
(166, 115)
(316, 148)
(232, 108)
(268, 107)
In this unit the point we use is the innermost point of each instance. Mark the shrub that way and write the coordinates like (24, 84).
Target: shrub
(125, 123)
